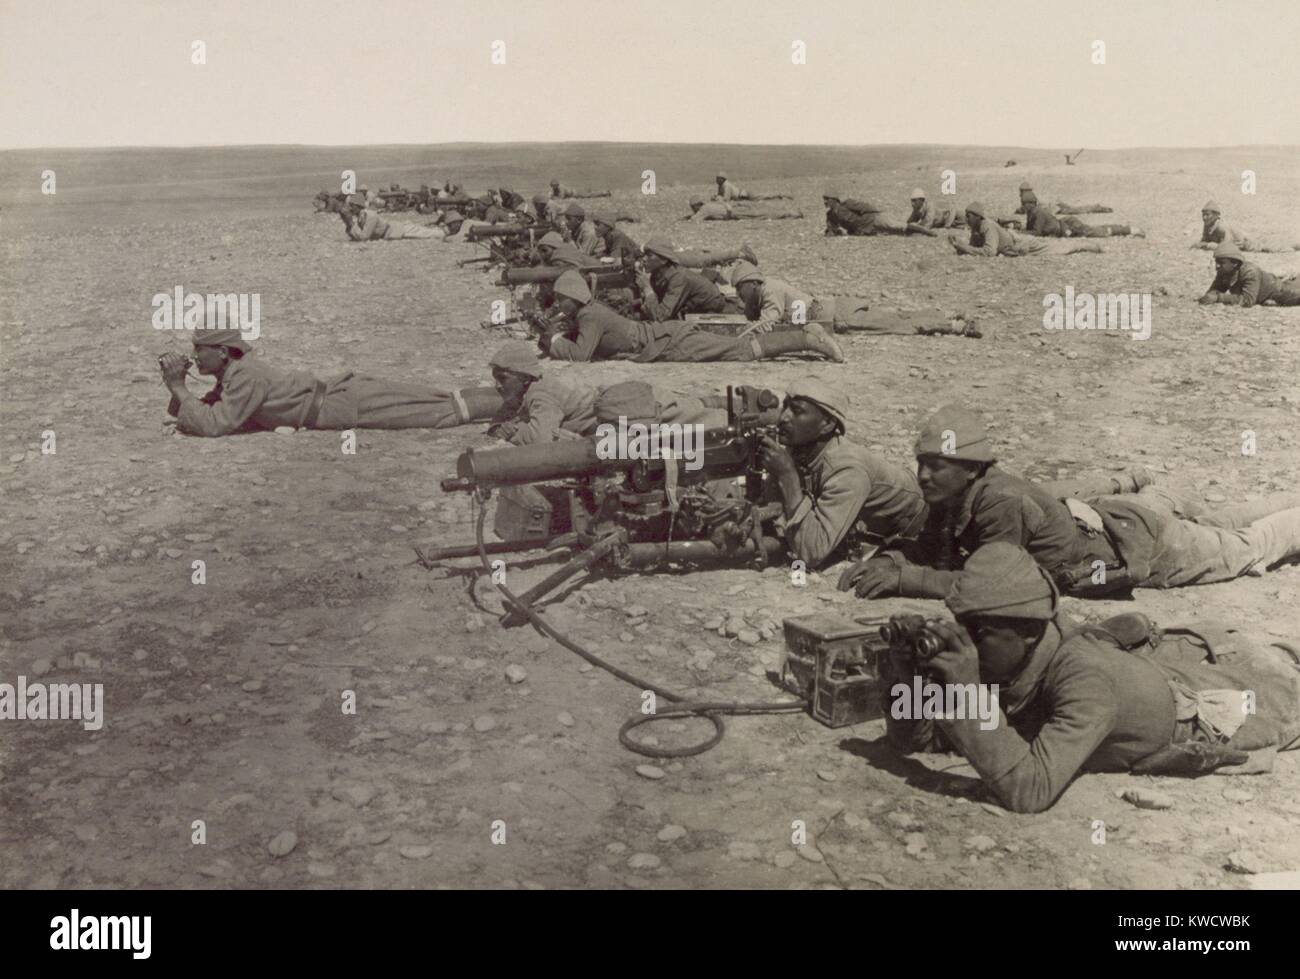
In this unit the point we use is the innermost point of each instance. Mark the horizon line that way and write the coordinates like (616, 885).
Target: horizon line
(631, 142)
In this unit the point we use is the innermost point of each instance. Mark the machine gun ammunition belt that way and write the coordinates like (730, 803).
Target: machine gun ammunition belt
(712, 711)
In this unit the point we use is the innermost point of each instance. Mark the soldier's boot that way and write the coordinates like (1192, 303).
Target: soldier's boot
(811, 337)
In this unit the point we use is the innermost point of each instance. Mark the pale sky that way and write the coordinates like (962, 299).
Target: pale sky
(993, 72)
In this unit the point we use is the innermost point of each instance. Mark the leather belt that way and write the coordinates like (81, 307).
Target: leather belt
(313, 409)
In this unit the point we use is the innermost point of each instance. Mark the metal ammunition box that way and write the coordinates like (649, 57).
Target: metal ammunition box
(832, 663)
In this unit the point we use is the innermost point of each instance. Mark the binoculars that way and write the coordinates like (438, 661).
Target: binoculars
(910, 630)
(188, 363)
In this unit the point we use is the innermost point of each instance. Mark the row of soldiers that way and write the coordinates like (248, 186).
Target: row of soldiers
(996, 548)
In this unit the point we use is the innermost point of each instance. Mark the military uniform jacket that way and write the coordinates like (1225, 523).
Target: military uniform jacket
(602, 333)
(1247, 286)
(851, 495)
(622, 249)
(367, 226)
(1094, 699)
(550, 405)
(852, 216)
(991, 239)
(1043, 224)
(1218, 232)
(998, 507)
(777, 298)
(678, 291)
(252, 396)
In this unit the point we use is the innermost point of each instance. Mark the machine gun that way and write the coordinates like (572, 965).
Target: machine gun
(626, 514)
(507, 244)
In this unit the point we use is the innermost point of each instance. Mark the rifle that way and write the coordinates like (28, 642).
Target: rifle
(626, 514)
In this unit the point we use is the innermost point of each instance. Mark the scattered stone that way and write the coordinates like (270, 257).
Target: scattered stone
(357, 794)
(616, 848)
(1244, 862)
(1238, 795)
(41, 667)
(671, 832)
(981, 843)
(903, 820)
(810, 853)
(1147, 799)
(653, 772)
(516, 674)
(916, 843)
(1080, 884)
(416, 852)
(827, 776)
(749, 637)
(321, 869)
(636, 611)
(993, 809)
(785, 859)
(282, 844)
(565, 718)
(643, 861)
(251, 686)
(474, 622)
(484, 723)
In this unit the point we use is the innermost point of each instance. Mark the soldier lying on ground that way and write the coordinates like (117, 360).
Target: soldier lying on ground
(251, 396)
(1027, 192)
(727, 191)
(1215, 232)
(988, 239)
(559, 190)
(1241, 283)
(924, 217)
(849, 216)
(364, 224)
(670, 292)
(844, 502)
(1039, 222)
(1091, 546)
(769, 301)
(544, 409)
(1118, 696)
(738, 211)
(627, 252)
(582, 232)
(596, 332)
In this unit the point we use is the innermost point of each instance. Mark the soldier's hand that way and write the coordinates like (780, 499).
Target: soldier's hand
(876, 577)
(173, 367)
(1207, 300)
(959, 661)
(775, 457)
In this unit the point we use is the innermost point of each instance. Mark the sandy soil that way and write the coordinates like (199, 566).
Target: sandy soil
(223, 699)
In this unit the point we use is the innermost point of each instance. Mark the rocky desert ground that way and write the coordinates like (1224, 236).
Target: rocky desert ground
(222, 700)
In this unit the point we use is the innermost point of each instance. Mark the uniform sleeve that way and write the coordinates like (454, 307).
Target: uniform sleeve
(666, 308)
(583, 348)
(1028, 776)
(1249, 295)
(773, 308)
(989, 230)
(540, 418)
(819, 524)
(239, 400)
